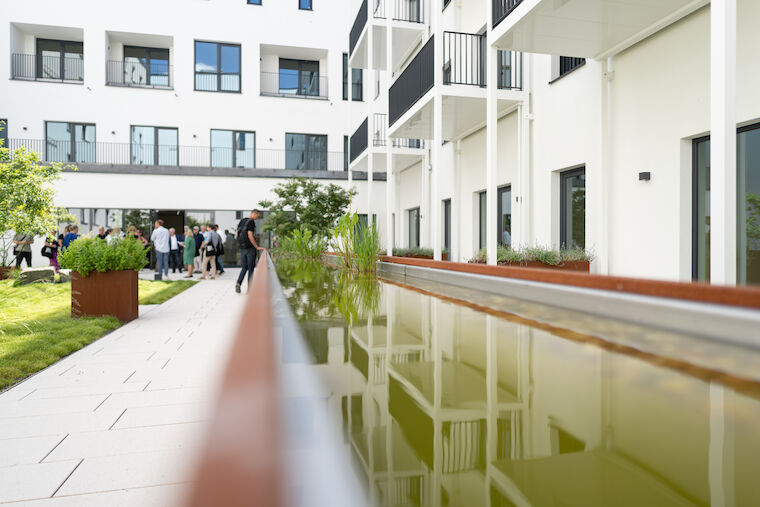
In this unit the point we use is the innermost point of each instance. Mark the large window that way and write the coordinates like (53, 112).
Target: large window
(153, 146)
(747, 212)
(345, 76)
(217, 67)
(305, 5)
(60, 60)
(299, 77)
(414, 227)
(482, 220)
(505, 216)
(357, 85)
(69, 142)
(146, 66)
(447, 225)
(572, 230)
(230, 148)
(306, 151)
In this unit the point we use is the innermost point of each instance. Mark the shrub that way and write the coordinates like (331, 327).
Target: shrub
(550, 257)
(542, 255)
(302, 243)
(358, 247)
(93, 254)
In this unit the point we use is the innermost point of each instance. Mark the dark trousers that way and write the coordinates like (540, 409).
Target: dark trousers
(174, 261)
(248, 263)
(24, 255)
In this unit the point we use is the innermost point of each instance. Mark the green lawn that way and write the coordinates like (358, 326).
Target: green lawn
(36, 328)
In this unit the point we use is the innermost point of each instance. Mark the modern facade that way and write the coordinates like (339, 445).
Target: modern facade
(169, 114)
(632, 131)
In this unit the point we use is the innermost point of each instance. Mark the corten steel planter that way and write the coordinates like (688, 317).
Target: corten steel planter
(5, 272)
(444, 256)
(111, 293)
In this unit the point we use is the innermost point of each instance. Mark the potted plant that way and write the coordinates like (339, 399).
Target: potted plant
(104, 276)
(574, 259)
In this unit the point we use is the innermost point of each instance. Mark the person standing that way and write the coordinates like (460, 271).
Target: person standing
(174, 259)
(198, 242)
(246, 237)
(219, 250)
(22, 249)
(209, 249)
(160, 239)
(102, 232)
(52, 244)
(70, 236)
(189, 248)
(114, 234)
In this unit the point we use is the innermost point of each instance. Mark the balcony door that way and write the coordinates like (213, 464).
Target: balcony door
(69, 142)
(146, 66)
(573, 208)
(299, 77)
(60, 60)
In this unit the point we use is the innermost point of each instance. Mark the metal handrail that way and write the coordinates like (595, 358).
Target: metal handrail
(139, 74)
(500, 9)
(307, 85)
(412, 11)
(47, 68)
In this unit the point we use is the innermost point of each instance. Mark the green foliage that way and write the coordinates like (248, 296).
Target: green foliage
(550, 257)
(366, 246)
(753, 216)
(26, 197)
(542, 255)
(414, 251)
(93, 254)
(302, 243)
(139, 218)
(342, 241)
(304, 203)
(356, 296)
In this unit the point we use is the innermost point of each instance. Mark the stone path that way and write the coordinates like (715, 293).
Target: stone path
(121, 421)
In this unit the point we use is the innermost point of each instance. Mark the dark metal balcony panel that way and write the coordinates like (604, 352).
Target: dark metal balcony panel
(359, 23)
(139, 74)
(464, 59)
(47, 68)
(502, 8)
(416, 80)
(359, 140)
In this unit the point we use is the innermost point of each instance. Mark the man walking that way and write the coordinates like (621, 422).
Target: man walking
(198, 241)
(174, 251)
(209, 248)
(160, 239)
(245, 234)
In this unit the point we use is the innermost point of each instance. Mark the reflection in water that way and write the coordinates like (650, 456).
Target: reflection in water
(444, 405)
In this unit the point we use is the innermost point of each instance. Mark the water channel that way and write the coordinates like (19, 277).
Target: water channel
(445, 403)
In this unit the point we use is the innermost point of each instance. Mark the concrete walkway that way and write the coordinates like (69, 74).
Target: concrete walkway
(121, 421)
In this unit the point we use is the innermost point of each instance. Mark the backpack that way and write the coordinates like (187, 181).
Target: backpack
(242, 233)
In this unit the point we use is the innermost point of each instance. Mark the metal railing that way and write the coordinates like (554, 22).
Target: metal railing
(464, 58)
(356, 30)
(412, 11)
(47, 68)
(378, 9)
(380, 135)
(569, 63)
(502, 8)
(413, 83)
(294, 84)
(138, 74)
(510, 70)
(359, 140)
(101, 153)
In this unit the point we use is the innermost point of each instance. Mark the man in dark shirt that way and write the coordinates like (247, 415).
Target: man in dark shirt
(245, 235)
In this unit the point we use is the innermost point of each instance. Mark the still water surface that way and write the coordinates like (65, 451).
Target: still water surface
(444, 405)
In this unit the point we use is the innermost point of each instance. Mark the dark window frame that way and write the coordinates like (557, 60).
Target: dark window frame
(62, 55)
(156, 146)
(417, 227)
(564, 176)
(299, 85)
(447, 224)
(499, 192)
(310, 8)
(253, 2)
(346, 153)
(357, 84)
(345, 76)
(219, 72)
(72, 141)
(306, 152)
(148, 65)
(482, 242)
(234, 146)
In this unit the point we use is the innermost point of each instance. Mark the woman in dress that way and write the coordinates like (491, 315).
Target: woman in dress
(54, 243)
(189, 251)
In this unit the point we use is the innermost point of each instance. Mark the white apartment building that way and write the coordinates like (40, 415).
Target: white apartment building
(186, 110)
(583, 123)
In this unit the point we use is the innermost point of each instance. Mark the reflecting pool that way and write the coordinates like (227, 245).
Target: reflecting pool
(441, 404)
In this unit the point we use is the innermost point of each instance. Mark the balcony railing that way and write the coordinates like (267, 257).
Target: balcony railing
(378, 9)
(464, 58)
(380, 135)
(100, 153)
(413, 83)
(510, 65)
(359, 140)
(502, 8)
(356, 30)
(412, 11)
(294, 84)
(47, 68)
(138, 74)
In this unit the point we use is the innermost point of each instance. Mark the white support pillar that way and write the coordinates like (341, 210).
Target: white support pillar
(723, 142)
(492, 122)
(436, 150)
(455, 254)
(390, 176)
(370, 119)
(524, 193)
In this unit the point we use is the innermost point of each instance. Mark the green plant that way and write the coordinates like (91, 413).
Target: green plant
(342, 241)
(550, 257)
(413, 251)
(366, 246)
(303, 243)
(542, 255)
(92, 254)
(575, 254)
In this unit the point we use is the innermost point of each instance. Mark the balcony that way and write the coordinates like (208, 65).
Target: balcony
(464, 69)
(65, 69)
(582, 28)
(373, 143)
(303, 85)
(359, 141)
(138, 74)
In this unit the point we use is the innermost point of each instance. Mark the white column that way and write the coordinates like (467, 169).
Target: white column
(721, 449)
(524, 203)
(723, 142)
(390, 176)
(492, 121)
(456, 207)
(370, 117)
(435, 151)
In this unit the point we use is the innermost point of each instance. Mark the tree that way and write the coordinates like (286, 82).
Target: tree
(304, 202)
(26, 197)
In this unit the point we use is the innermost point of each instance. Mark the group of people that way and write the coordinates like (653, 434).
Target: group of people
(197, 249)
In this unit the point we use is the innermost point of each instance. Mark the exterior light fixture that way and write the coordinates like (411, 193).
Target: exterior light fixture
(645, 176)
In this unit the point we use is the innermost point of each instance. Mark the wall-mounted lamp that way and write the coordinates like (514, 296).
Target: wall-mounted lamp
(195, 136)
(113, 132)
(645, 176)
(24, 129)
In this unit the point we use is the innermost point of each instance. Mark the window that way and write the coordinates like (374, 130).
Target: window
(4, 133)
(146, 66)
(61, 60)
(572, 229)
(299, 77)
(569, 63)
(154, 146)
(217, 67)
(345, 153)
(306, 151)
(504, 202)
(414, 227)
(254, 2)
(345, 76)
(231, 148)
(747, 202)
(447, 225)
(69, 142)
(357, 85)
(304, 5)
(483, 219)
